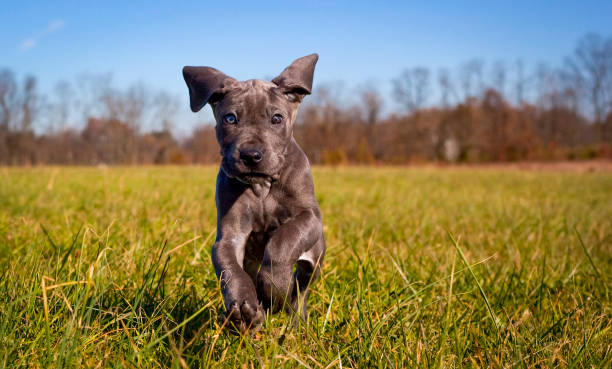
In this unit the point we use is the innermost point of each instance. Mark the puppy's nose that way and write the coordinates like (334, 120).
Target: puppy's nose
(251, 157)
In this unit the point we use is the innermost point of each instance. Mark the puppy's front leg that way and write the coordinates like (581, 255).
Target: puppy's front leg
(275, 280)
(242, 307)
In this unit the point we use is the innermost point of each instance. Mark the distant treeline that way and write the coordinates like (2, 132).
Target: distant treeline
(474, 114)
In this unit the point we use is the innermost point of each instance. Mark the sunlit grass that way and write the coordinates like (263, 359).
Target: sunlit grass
(111, 267)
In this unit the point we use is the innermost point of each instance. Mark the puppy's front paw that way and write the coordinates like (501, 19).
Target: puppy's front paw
(244, 318)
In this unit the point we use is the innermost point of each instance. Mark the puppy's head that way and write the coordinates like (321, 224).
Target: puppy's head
(254, 118)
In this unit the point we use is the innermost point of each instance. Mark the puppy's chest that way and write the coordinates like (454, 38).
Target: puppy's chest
(269, 213)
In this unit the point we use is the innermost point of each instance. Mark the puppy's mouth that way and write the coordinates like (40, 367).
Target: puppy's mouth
(256, 178)
(247, 175)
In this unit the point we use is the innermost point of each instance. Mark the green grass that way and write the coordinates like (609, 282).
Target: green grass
(110, 267)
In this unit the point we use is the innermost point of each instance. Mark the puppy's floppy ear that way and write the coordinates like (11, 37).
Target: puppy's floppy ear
(296, 79)
(204, 83)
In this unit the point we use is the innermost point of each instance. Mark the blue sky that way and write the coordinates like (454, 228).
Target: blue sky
(357, 41)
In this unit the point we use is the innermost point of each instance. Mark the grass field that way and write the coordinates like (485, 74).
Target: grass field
(110, 267)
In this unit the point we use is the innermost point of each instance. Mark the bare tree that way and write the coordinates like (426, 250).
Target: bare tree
(165, 107)
(8, 99)
(135, 103)
(412, 87)
(372, 103)
(470, 76)
(91, 90)
(568, 90)
(127, 106)
(519, 82)
(29, 103)
(61, 106)
(446, 87)
(591, 64)
(498, 77)
(547, 87)
(113, 103)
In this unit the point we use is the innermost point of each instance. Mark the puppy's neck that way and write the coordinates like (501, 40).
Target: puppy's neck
(261, 189)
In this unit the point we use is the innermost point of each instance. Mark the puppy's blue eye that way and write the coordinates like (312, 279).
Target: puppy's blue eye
(230, 119)
(277, 119)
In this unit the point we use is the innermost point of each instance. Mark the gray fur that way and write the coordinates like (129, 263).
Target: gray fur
(268, 219)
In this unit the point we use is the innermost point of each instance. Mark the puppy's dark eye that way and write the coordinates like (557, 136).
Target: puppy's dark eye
(230, 119)
(277, 119)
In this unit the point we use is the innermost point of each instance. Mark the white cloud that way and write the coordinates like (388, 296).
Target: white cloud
(27, 44)
(55, 25)
(30, 42)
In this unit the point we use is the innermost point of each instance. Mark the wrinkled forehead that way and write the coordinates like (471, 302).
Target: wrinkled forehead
(253, 94)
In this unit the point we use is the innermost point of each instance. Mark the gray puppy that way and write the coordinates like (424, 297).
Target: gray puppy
(269, 244)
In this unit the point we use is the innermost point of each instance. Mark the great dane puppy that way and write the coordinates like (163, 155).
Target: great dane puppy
(269, 244)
